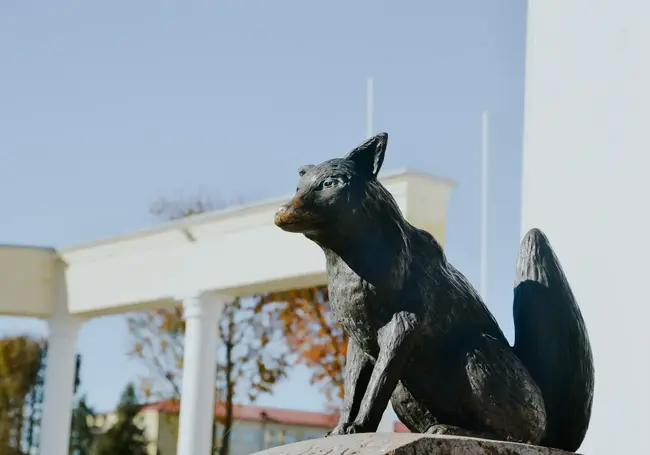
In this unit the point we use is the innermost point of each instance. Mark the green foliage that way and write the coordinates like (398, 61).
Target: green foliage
(20, 362)
(81, 433)
(124, 437)
(34, 407)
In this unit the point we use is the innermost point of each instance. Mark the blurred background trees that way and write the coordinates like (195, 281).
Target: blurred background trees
(124, 437)
(312, 335)
(20, 362)
(82, 434)
(23, 360)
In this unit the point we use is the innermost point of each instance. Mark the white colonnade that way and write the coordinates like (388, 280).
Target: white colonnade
(201, 312)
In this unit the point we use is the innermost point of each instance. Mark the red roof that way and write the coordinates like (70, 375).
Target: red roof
(400, 428)
(260, 414)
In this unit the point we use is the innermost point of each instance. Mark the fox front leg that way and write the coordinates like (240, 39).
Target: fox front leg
(395, 342)
(358, 369)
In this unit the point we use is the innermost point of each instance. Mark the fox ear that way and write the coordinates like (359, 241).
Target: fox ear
(369, 156)
(303, 169)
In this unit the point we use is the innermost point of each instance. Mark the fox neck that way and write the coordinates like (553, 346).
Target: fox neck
(378, 255)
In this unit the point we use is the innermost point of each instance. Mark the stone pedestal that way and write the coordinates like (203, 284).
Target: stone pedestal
(406, 444)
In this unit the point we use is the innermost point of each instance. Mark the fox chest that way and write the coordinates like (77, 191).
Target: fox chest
(356, 306)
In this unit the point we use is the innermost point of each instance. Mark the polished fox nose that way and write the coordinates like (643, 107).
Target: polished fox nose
(285, 213)
(280, 215)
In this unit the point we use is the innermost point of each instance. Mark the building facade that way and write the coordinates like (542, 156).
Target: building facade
(254, 428)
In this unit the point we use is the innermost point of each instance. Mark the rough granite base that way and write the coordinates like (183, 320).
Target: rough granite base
(406, 444)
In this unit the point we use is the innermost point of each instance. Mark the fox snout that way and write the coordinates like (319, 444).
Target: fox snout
(293, 216)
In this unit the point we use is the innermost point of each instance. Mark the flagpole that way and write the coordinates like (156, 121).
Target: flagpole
(370, 105)
(387, 424)
(484, 200)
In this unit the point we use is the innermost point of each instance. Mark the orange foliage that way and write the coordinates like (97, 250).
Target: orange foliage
(311, 333)
(249, 356)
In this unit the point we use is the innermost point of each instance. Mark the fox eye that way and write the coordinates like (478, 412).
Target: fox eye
(330, 182)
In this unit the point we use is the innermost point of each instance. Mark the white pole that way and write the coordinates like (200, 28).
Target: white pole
(484, 200)
(387, 424)
(370, 95)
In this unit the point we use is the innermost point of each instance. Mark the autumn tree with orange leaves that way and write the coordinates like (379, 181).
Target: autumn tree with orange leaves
(312, 334)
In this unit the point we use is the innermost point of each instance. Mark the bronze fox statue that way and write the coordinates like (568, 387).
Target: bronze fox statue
(420, 335)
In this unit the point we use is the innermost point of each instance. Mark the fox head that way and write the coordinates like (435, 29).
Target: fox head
(332, 197)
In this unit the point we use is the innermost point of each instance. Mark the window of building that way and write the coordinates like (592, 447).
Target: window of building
(275, 437)
(139, 420)
(312, 434)
(269, 436)
(217, 432)
(250, 435)
(100, 420)
(290, 436)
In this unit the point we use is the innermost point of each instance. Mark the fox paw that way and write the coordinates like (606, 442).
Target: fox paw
(448, 430)
(346, 428)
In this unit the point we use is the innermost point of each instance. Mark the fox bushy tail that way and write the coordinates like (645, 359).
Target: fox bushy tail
(551, 340)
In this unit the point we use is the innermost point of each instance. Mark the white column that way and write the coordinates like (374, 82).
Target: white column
(387, 424)
(59, 384)
(202, 313)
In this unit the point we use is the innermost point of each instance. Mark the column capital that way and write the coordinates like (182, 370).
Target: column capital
(64, 325)
(204, 305)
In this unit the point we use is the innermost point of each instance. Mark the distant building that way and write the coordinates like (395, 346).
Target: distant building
(254, 428)
(400, 428)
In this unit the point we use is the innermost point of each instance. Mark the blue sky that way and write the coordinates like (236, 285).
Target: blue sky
(105, 106)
